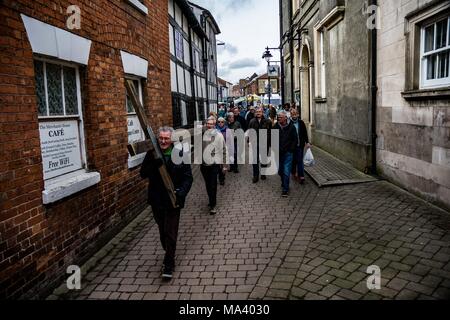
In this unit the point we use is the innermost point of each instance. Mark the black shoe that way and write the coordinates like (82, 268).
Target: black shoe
(222, 183)
(302, 181)
(284, 194)
(255, 179)
(263, 178)
(212, 211)
(167, 273)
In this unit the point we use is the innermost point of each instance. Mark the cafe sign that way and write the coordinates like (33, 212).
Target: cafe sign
(60, 147)
(135, 132)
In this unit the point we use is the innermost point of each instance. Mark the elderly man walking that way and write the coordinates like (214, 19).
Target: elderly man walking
(259, 123)
(167, 217)
(288, 142)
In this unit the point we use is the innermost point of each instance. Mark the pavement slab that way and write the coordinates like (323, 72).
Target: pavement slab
(316, 244)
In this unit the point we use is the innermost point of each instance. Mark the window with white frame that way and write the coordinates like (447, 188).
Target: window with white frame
(435, 53)
(171, 40)
(135, 132)
(60, 117)
(322, 66)
(295, 6)
(179, 50)
(320, 71)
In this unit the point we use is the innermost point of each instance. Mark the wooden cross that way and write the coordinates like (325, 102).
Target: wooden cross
(150, 136)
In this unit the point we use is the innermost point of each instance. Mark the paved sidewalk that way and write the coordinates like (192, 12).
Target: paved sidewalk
(330, 171)
(317, 244)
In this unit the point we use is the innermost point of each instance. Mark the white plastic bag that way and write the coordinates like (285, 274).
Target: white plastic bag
(308, 159)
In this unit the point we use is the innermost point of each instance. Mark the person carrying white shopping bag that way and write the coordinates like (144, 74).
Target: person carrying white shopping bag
(308, 160)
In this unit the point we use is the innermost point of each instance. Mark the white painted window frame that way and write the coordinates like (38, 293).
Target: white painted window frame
(134, 161)
(177, 45)
(60, 187)
(327, 23)
(139, 6)
(433, 83)
(78, 117)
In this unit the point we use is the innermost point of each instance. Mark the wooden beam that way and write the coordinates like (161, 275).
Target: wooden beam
(150, 136)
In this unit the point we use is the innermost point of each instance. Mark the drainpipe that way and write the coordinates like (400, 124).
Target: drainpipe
(291, 48)
(374, 90)
(281, 52)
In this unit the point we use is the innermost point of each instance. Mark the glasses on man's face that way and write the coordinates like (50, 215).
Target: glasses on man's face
(221, 121)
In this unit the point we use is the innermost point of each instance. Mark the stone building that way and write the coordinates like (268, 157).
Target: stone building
(372, 81)
(327, 64)
(67, 181)
(413, 103)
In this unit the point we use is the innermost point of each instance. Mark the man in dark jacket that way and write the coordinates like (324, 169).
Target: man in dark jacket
(165, 215)
(258, 123)
(288, 142)
(298, 169)
(239, 118)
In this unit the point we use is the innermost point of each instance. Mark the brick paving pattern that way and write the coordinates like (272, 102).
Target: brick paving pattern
(317, 244)
(329, 171)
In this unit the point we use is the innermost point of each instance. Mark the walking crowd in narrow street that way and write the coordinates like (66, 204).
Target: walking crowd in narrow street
(293, 139)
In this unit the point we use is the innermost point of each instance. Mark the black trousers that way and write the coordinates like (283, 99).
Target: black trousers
(210, 174)
(221, 175)
(234, 165)
(168, 220)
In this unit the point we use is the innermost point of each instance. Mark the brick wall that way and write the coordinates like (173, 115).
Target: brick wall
(38, 242)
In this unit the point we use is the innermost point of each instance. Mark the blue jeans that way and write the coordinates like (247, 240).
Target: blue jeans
(298, 166)
(284, 170)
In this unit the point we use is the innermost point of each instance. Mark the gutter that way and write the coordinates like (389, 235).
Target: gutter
(281, 54)
(373, 93)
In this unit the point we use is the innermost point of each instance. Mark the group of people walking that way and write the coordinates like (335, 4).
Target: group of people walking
(293, 141)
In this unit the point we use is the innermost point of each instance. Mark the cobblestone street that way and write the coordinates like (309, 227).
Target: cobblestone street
(317, 244)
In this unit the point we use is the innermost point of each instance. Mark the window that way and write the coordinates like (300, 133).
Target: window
(322, 67)
(295, 6)
(60, 117)
(171, 40)
(435, 53)
(195, 60)
(135, 132)
(179, 52)
(140, 5)
(427, 32)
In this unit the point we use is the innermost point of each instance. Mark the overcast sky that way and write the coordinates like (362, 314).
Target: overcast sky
(247, 26)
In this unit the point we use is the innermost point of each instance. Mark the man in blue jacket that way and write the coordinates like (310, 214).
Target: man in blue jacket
(167, 217)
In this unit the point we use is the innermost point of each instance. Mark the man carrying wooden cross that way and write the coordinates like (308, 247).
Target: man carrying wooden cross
(169, 183)
(166, 216)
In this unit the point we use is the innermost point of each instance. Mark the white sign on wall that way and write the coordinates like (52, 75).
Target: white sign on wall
(60, 147)
(135, 132)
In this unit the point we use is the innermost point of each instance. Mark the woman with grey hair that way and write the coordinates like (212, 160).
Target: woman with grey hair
(222, 127)
(211, 166)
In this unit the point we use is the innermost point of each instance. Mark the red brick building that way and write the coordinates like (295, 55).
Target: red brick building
(67, 182)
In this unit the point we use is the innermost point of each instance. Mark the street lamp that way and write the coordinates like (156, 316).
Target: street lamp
(267, 56)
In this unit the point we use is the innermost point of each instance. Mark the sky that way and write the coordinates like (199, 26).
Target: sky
(247, 28)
